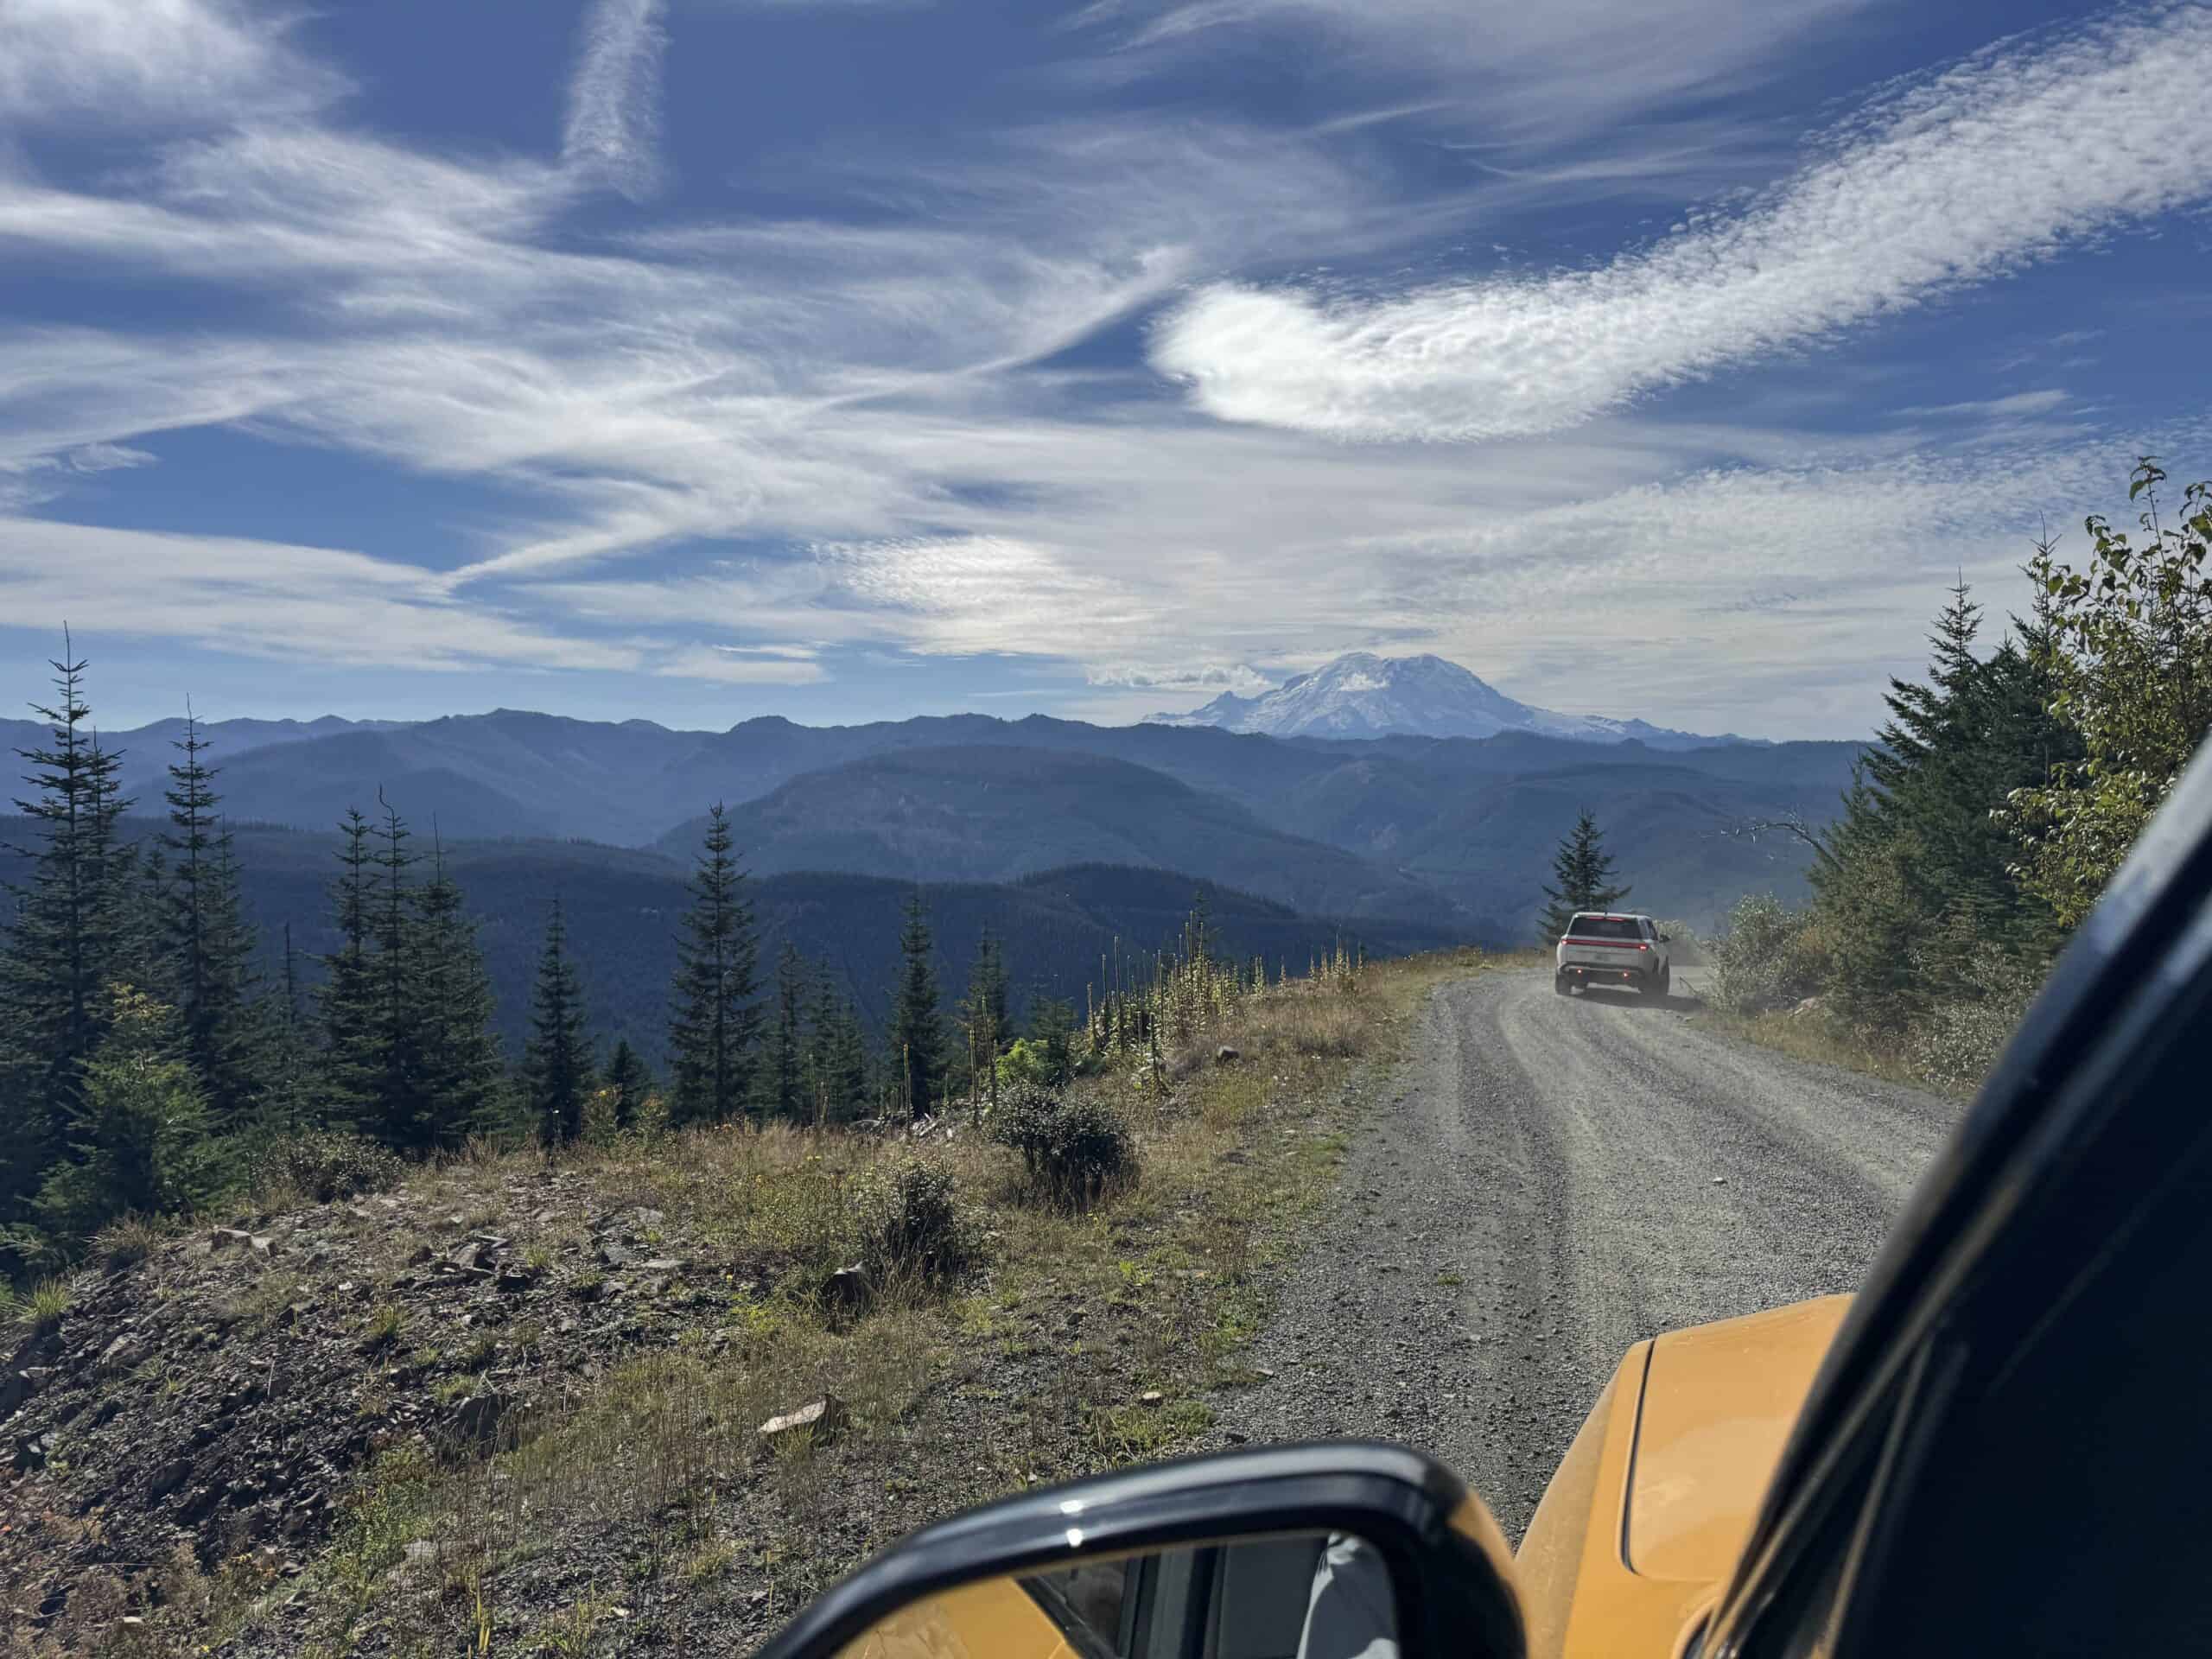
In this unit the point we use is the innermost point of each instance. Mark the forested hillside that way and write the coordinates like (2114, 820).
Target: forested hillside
(2002, 795)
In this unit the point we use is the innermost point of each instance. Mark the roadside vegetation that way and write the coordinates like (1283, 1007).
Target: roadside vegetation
(2002, 795)
(529, 1399)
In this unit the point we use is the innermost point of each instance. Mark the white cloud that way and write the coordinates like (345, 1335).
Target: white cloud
(166, 61)
(2017, 404)
(1208, 677)
(725, 665)
(613, 123)
(2003, 161)
(1521, 75)
(266, 599)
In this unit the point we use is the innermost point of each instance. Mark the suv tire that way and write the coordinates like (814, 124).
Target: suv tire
(1560, 985)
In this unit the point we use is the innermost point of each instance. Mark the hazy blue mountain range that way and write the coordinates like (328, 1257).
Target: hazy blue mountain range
(1455, 831)
(1361, 694)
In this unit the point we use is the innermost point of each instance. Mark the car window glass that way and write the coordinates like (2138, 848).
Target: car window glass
(1604, 927)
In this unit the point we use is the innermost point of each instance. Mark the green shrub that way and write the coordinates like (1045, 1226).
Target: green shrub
(910, 1226)
(1768, 958)
(1076, 1149)
(325, 1165)
(1959, 1036)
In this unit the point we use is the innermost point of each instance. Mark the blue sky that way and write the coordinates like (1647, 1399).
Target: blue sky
(700, 358)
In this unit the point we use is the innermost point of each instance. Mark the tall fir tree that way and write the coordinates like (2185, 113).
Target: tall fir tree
(398, 1110)
(70, 940)
(289, 1102)
(630, 1079)
(783, 1068)
(983, 1016)
(346, 1002)
(1584, 870)
(917, 1036)
(557, 1069)
(716, 1023)
(460, 1073)
(205, 948)
(836, 1057)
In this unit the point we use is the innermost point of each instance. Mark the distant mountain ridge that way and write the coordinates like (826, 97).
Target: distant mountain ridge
(1457, 830)
(1361, 694)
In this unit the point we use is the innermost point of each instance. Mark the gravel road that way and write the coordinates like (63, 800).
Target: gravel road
(1544, 1182)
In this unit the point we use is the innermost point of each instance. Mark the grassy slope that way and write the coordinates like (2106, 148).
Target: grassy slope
(629, 1504)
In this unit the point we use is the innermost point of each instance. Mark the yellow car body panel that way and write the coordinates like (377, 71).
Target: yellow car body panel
(995, 1619)
(1642, 1522)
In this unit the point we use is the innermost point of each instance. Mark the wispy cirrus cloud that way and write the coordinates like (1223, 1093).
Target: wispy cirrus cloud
(1521, 77)
(2002, 162)
(161, 61)
(612, 130)
(758, 447)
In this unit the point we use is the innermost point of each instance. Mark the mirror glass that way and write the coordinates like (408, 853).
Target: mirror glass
(1298, 1596)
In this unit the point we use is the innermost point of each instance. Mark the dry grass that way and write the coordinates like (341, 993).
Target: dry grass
(1814, 1036)
(1042, 1356)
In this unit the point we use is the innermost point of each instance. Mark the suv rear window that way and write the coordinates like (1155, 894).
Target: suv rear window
(1603, 927)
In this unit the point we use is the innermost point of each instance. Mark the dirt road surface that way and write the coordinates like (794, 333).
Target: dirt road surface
(1545, 1181)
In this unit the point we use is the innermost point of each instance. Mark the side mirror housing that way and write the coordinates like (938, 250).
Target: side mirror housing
(1343, 1550)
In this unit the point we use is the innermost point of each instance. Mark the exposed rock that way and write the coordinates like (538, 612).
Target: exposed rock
(479, 1416)
(126, 1352)
(33, 1450)
(15, 1387)
(826, 1418)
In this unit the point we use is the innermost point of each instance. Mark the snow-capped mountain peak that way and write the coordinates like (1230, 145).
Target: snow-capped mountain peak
(1362, 695)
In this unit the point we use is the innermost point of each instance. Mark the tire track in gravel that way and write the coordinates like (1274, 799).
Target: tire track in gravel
(1544, 1181)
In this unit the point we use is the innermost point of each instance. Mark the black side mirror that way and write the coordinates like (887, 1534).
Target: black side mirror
(1666, 939)
(1324, 1551)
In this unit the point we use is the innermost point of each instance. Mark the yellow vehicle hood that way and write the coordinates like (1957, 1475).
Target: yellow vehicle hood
(1718, 1401)
(1642, 1522)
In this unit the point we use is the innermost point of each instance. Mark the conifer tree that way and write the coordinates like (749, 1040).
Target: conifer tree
(138, 1128)
(713, 1034)
(204, 945)
(628, 1076)
(68, 942)
(916, 1029)
(783, 1071)
(1584, 870)
(458, 1073)
(984, 1015)
(556, 1065)
(346, 1002)
(836, 1057)
(289, 1103)
(1051, 1027)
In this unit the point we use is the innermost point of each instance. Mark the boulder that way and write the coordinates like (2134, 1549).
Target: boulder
(479, 1416)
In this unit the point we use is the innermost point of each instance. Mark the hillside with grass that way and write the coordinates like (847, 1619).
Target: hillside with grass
(513, 1404)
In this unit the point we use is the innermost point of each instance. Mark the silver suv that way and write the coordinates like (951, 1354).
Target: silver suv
(1605, 948)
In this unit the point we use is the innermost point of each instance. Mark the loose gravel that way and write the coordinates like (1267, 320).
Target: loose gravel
(1544, 1182)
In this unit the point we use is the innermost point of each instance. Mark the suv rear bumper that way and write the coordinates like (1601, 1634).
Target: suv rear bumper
(1591, 973)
